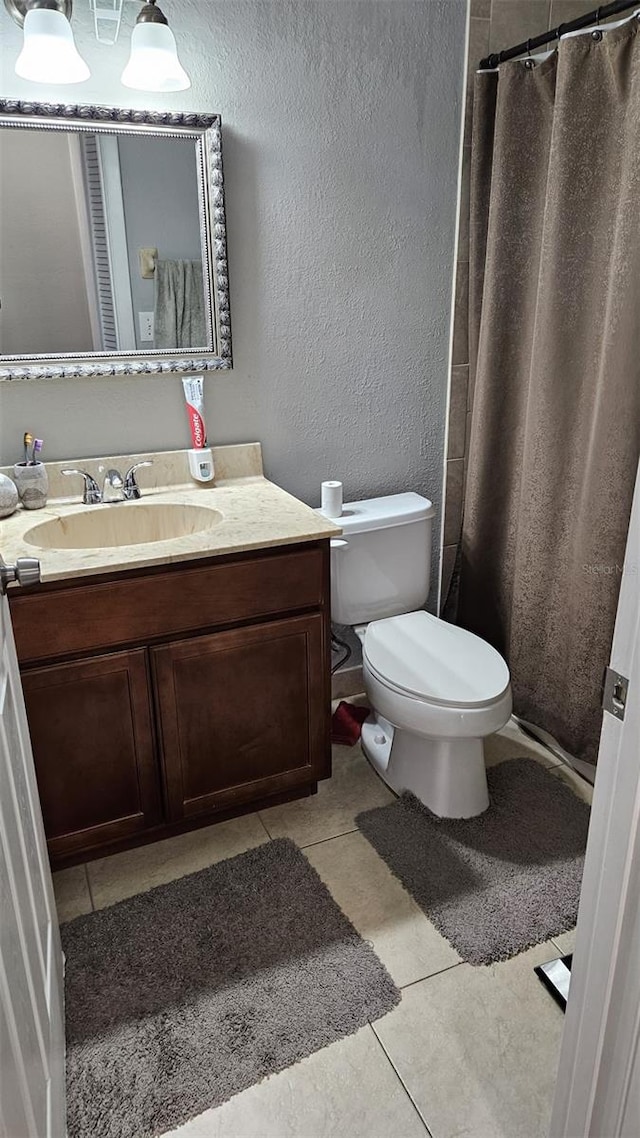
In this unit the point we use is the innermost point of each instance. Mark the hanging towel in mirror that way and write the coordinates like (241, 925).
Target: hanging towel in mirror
(179, 305)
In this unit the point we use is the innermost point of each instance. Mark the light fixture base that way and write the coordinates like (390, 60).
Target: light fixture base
(151, 15)
(18, 9)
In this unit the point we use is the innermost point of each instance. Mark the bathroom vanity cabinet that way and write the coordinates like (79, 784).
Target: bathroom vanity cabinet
(162, 699)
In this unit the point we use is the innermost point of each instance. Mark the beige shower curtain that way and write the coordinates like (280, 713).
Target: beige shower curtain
(555, 357)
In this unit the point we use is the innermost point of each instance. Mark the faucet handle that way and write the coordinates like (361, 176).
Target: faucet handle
(91, 495)
(131, 488)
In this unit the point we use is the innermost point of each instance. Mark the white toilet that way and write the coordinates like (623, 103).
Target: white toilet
(435, 690)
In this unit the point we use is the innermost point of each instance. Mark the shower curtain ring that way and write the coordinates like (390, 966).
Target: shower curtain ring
(529, 61)
(597, 33)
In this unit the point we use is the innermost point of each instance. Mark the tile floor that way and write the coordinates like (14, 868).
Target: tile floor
(468, 1052)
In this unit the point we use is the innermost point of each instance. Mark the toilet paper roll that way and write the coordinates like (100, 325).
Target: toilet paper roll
(331, 499)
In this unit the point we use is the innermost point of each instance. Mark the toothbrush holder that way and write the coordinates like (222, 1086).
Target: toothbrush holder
(32, 482)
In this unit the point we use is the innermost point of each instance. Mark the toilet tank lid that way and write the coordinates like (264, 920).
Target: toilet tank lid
(380, 513)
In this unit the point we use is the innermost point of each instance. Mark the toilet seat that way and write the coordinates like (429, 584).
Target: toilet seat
(417, 655)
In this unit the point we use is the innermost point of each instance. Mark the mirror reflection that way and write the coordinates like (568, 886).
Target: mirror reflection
(100, 244)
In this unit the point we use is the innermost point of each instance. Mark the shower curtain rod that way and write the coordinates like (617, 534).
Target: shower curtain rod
(585, 21)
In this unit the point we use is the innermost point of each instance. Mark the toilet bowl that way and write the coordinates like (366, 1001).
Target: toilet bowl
(437, 691)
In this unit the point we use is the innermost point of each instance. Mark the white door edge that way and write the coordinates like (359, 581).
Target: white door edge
(598, 1085)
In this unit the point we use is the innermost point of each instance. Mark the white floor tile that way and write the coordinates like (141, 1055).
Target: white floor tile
(381, 909)
(134, 871)
(348, 1088)
(332, 811)
(477, 1048)
(565, 942)
(512, 743)
(71, 892)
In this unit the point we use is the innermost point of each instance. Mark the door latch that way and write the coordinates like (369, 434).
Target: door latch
(614, 698)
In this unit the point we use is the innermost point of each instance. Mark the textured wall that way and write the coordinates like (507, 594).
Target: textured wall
(341, 143)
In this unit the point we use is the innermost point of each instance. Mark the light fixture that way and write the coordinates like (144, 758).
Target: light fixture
(153, 64)
(49, 53)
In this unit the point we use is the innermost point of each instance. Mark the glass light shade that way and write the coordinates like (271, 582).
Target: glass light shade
(49, 53)
(153, 64)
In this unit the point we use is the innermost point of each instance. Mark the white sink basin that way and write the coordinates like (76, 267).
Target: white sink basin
(123, 523)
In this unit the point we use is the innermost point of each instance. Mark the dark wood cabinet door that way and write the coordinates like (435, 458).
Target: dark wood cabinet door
(92, 735)
(243, 714)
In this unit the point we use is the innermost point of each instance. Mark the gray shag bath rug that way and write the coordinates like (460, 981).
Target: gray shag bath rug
(180, 997)
(498, 883)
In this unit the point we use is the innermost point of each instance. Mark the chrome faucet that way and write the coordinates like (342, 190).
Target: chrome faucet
(115, 487)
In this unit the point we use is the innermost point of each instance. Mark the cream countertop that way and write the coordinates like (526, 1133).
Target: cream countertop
(256, 514)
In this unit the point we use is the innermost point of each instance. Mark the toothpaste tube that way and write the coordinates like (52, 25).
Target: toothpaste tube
(194, 395)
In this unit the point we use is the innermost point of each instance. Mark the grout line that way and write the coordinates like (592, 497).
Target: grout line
(332, 838)
(402, 1084)
(562, 951)
(262, 823)
(430, 975)
(86, 873)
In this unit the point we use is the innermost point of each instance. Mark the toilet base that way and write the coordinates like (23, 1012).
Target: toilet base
(447, 775)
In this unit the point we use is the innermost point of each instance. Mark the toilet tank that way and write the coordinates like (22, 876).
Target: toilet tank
(382, 565)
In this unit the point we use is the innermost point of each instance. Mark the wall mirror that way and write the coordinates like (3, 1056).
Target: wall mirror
(113, 252)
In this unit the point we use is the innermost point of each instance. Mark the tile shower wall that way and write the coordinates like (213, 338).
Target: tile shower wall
(494, 26)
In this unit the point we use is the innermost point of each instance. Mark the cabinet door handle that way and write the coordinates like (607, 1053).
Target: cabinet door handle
(26, 571)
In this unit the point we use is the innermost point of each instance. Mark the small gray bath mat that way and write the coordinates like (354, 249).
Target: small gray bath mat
(180, 997)
(499, 883)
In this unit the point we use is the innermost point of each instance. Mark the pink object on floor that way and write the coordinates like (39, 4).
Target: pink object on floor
(346, 724)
